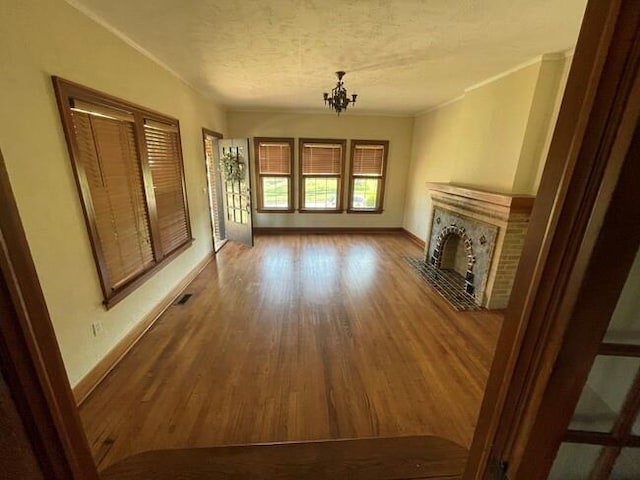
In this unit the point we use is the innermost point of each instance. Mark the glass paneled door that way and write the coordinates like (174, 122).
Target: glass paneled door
(603, 439)
(216, 209)
(236, 181)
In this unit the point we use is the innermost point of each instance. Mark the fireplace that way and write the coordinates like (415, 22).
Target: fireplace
(475, 242)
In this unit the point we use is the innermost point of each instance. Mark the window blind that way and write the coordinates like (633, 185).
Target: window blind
(321, 159)
(274, 159)
(107, 153)
(368, 160)
(163, 151)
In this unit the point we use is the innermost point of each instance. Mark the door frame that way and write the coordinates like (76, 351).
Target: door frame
(597, 118)
(31, 361)
(211, 133)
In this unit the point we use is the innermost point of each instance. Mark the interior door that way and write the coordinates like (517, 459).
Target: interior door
(237, 191)
(216, 209)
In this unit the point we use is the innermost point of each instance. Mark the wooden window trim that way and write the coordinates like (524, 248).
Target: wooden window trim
(340, 194)
(383, 179)
(65, 91)
(259, 198)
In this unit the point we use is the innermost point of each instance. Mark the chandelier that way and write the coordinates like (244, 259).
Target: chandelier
(339, 100)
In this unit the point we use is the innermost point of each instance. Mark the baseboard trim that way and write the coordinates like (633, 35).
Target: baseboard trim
(92, 379)
(415, 239)
(325, 230)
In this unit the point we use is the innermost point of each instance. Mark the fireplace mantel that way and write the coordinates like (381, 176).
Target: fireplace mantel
(463, 205)
(511, 201)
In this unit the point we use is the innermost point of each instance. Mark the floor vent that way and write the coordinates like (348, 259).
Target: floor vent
(183, 299)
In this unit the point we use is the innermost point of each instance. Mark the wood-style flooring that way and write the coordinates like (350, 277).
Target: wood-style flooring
(303, 337)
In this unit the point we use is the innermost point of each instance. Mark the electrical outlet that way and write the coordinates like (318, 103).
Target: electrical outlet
(96, 328)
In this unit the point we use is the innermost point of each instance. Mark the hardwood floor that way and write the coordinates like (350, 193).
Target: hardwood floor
(303, 337)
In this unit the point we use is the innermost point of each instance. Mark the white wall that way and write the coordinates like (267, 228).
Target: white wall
(398, 130)
(40, 38)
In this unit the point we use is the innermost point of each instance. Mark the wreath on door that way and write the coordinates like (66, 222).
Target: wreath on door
(232, 167)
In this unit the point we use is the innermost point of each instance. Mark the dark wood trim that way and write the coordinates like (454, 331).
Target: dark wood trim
(590, 438)
(211, 133)
(80, 176)
(579, 175)
(122, 293)
(383, 180)
(619, 349)
(341, 189)
(593, 286)
(65, 91)
(291, 176)
(327, 230)
(604, 463)
(414, 238)
(30, 358)
(597, 438)
(630, 408)
(77, 90)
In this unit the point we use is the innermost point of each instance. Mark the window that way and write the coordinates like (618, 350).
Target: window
(368, 169)
(274, 168)
(321, 170)
(128, 167)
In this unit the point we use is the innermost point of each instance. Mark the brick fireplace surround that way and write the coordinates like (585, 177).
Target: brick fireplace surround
(490, 228)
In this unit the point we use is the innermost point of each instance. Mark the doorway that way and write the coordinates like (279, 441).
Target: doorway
(212, 165)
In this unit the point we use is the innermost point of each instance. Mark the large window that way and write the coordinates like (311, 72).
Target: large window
(321, 174)
(274, 169)
(367, 179)
(128, 166)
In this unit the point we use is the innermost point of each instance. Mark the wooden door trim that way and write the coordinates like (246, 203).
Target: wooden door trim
(590, 311)
(572, 191)
(31, 359)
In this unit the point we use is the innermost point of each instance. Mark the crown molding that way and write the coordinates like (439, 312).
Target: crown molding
(547, 57)
(310, 111)
(126, 39)
(440, 105)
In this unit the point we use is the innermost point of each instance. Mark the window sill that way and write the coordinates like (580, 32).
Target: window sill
(314, 210)
(356, 210)
(120, 294)
(275, 210)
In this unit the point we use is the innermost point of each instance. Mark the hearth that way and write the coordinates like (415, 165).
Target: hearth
(476, 240)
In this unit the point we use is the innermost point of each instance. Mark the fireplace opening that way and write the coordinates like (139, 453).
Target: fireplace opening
(453, 256)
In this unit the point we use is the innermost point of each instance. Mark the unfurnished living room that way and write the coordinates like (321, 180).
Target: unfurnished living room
(320, 239)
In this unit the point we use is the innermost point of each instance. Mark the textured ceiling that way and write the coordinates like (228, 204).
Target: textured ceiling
(401, 56)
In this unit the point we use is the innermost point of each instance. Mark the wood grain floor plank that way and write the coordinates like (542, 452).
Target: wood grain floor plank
(303, 337)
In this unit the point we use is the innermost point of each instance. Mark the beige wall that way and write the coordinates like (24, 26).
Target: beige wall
(495, 137)
(397, 130)
(41, 38)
